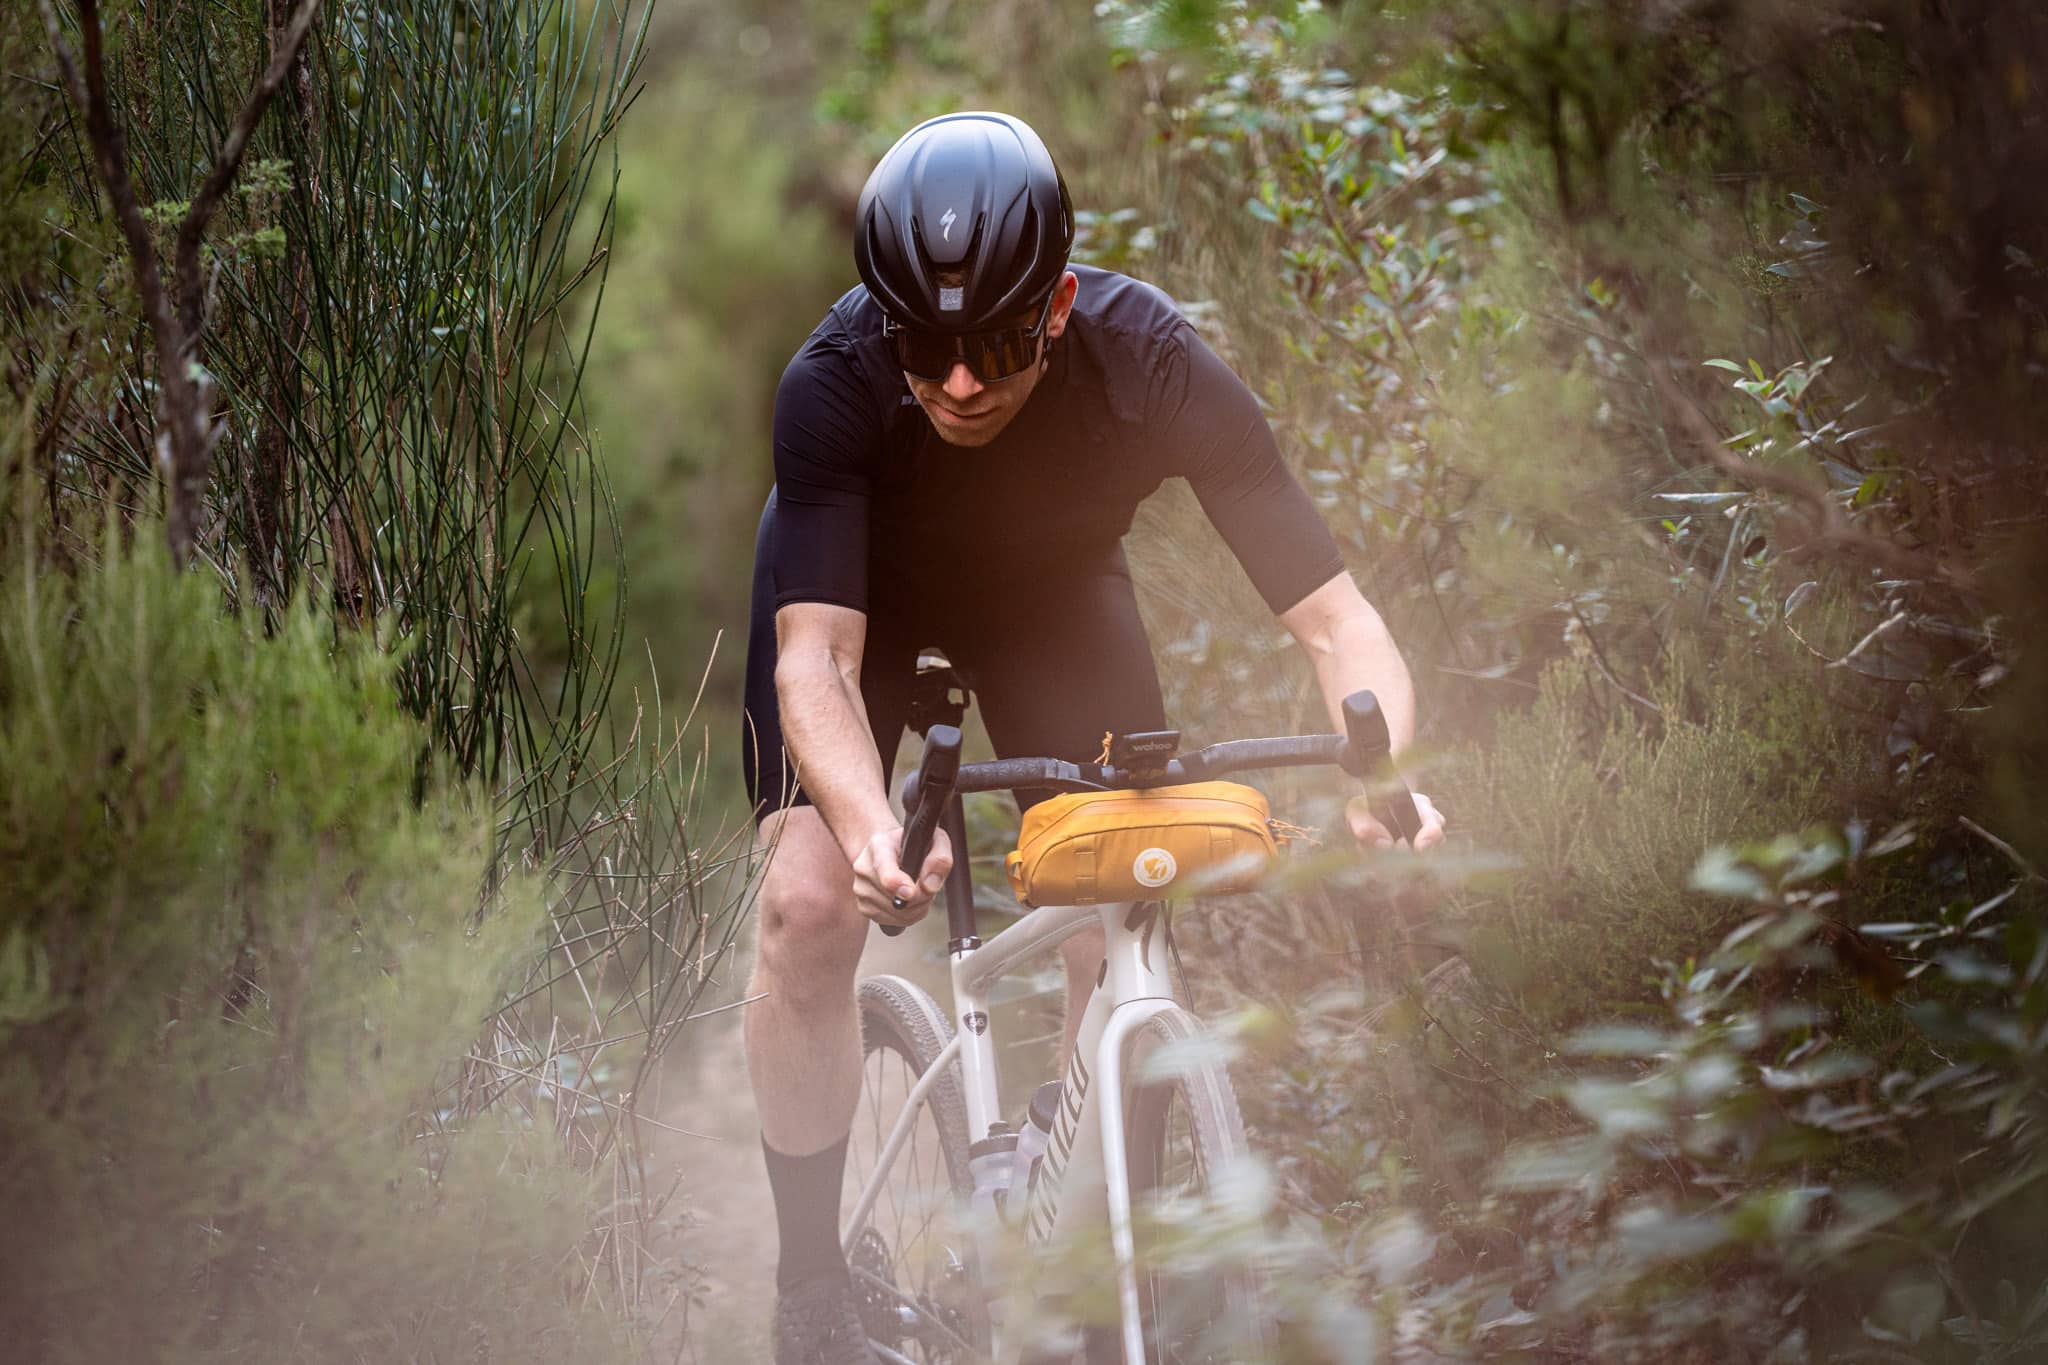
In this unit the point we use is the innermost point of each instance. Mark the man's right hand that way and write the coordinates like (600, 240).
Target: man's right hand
(879, 879)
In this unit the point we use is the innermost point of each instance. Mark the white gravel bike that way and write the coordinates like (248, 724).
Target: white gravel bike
(1144, 1116)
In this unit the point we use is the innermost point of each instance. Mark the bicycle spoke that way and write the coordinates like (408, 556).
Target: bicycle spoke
(927, 1321)
(918, 1301)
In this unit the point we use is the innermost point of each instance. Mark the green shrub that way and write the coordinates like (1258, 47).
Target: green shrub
(1604, 827)
(236, 957)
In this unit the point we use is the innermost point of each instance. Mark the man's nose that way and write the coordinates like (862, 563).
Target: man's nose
(961, 383)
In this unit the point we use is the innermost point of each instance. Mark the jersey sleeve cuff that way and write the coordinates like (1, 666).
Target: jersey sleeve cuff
(793, 596)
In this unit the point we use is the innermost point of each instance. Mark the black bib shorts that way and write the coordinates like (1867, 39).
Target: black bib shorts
(1052, 669)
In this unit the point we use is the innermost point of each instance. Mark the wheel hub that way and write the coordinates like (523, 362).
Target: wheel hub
(893, 1317)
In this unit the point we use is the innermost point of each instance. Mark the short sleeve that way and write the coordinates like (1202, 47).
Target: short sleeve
(825, 436)
(1215, 436)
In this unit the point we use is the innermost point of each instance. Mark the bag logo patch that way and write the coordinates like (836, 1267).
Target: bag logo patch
(1154, 867)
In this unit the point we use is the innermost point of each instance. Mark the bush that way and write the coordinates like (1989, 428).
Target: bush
(1629, 797)
(235, 960)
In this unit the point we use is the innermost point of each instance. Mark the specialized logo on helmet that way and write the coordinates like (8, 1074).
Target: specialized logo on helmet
(1154, 867)
(946, 221)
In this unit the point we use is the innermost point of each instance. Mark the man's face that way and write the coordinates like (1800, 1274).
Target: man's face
(967, 412)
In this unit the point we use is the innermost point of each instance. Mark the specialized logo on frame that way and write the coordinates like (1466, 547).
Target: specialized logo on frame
(1042, 1192)
(1154, 867)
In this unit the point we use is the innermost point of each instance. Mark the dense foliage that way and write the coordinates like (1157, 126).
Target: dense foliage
(1626, 347)
(340, 934)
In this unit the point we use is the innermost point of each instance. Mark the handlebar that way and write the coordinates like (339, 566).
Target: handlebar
(1386, 793)
(1365, 751)
(1230, 756)
(935, 777)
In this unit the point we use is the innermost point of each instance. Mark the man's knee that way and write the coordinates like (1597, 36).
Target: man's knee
(810, 933)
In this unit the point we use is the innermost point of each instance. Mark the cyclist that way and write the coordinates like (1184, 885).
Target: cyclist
(959, 448)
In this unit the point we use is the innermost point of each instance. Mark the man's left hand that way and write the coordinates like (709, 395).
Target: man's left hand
(1370, 833)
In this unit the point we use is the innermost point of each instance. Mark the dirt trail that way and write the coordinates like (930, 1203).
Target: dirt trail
(731, 1237)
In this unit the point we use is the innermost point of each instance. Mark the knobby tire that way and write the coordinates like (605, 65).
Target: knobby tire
(1183, 1127)
(913, 1252)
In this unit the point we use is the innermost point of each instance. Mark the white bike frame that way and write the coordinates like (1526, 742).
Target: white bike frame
(1084, 1176)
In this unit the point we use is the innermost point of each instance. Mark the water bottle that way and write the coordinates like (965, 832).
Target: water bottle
(1035, 1135)
(990, 1163)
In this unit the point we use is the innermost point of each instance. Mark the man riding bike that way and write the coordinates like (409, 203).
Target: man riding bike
(959, 448)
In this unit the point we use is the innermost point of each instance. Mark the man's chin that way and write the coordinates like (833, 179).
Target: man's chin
(965, 435)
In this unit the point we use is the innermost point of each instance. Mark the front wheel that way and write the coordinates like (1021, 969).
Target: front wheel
(1201, 1304)
(912, 1257)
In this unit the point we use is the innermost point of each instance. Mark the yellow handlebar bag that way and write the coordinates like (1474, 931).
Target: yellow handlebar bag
(1084, 848)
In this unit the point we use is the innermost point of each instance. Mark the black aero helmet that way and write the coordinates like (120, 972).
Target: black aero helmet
(964, 222)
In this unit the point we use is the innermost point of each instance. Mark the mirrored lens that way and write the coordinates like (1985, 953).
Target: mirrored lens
(928, 355)
(990, 356)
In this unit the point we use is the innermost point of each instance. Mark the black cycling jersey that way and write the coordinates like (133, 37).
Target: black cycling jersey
(870, 499)
(1009, 556)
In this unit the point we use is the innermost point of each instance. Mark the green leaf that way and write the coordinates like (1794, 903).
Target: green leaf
(1721, 873)
(1911, 1306)
(1619, 1109)
(1619, 1040)
(2037, 1310)
(1705, 499)
(1969, 969)
(1569, 1164)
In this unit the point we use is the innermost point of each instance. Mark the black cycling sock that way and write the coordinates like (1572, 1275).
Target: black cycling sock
(807, 1211)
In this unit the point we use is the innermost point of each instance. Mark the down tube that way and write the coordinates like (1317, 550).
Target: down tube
(1070, 1196)
(977, 966)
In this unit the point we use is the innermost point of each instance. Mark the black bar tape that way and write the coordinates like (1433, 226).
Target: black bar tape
(935, 778)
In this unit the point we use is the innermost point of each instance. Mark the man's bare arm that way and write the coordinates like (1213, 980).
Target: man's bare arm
(1351, 649)
(825, 724)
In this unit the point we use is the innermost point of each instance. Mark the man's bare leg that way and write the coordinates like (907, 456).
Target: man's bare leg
(803, 1039)
(803, 1036)
(1082, 955)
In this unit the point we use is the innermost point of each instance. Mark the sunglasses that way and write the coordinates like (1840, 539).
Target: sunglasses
(991, 356)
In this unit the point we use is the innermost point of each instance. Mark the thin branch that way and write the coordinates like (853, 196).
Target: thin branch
(185, 433)
(1823, 515)
(227, 164)
(538, 1079)
(2019, 860)
(1600, 662)
(110, 152)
